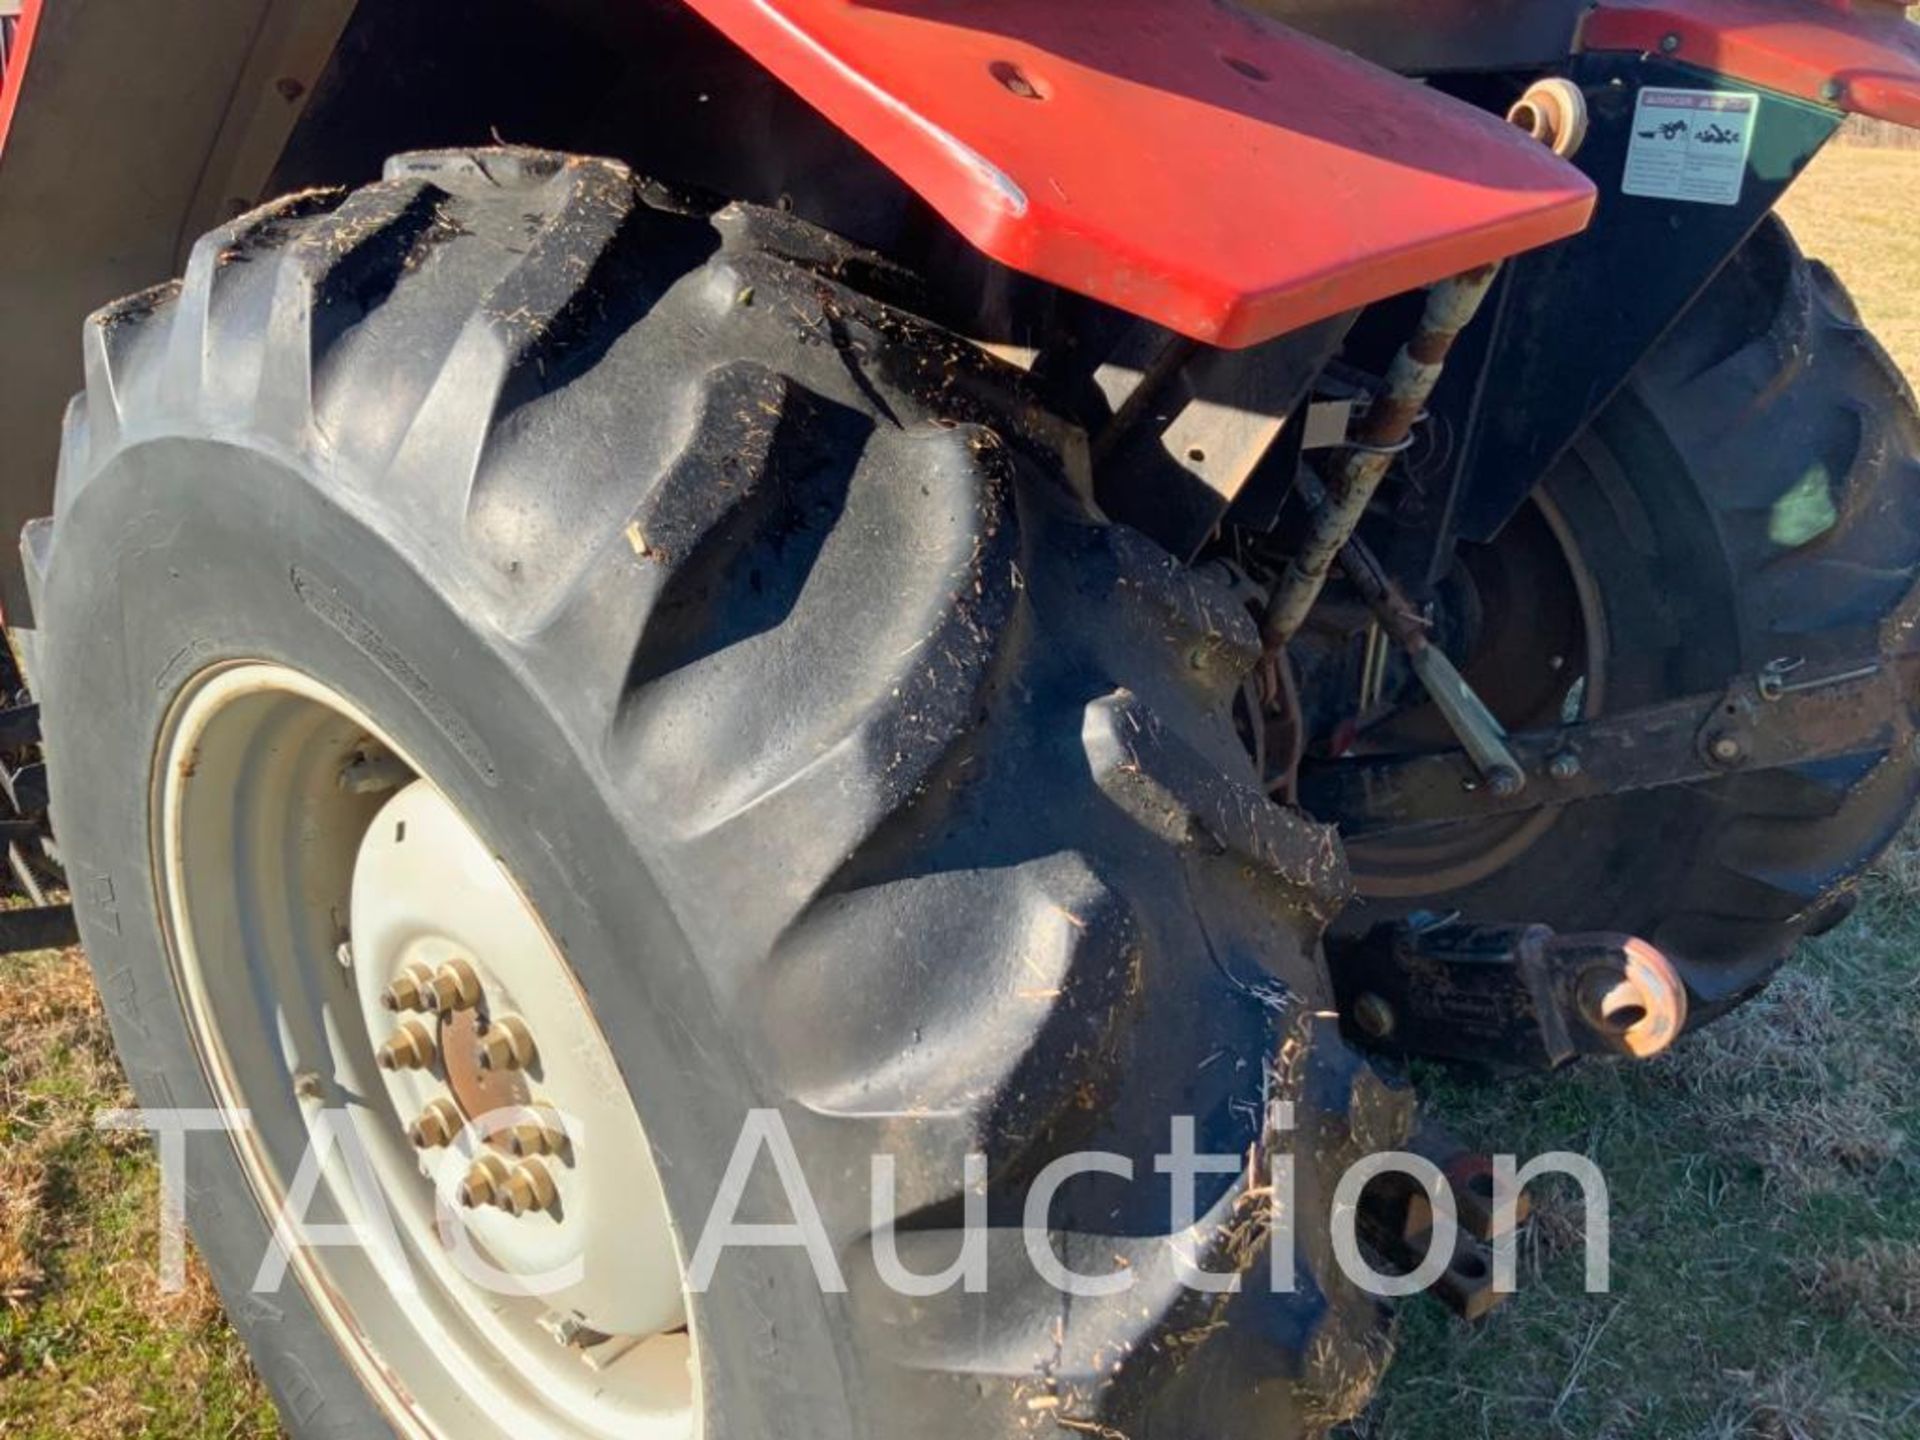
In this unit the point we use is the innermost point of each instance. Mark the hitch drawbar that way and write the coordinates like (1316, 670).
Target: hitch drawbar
(1516, 996)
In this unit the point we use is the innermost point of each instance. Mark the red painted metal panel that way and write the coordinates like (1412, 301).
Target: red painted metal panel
(1862, 56)
(1221, 175)
(16, 71)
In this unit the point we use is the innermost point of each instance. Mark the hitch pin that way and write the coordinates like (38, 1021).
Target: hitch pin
(1772, 681)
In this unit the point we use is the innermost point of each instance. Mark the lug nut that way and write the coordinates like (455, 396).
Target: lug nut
(435, 1126)
(454, 987)
(528, 1188)
(484, 1184)
(411, 1048)
(542, 1136)
(408, 990)
(507, 1045)
(1373, 1015)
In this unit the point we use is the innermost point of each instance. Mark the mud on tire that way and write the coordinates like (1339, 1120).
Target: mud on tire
(860, 771)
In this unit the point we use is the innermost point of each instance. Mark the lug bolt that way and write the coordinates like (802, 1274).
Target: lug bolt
(507, 1045)
(454, 987)
(408, 990)
(1373, 1015)
(484, 1184)
(543, 1136)
(530, 1187)
(435, 1126)
(411, 1048)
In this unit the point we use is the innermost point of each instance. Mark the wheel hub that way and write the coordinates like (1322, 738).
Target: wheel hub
(428, 895)
(351, 955)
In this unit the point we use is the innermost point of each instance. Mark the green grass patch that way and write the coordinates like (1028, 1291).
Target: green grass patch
(1766, 1225)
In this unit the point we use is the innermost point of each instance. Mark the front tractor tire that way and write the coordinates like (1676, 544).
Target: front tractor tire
(740, 645)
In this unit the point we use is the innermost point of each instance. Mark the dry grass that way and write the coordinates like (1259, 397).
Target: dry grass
(1766, 1213)
(1858, 209)
(90, 1345)
(1766, 1185)
(1876, 1282)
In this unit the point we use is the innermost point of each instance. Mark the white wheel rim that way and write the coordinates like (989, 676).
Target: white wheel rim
(265, 855)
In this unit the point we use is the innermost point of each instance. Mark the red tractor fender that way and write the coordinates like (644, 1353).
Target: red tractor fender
(14, 70)
(1862, 56)
(1218, 174)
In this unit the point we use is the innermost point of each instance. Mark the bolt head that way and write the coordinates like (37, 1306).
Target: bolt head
(435, 1126)
(483, 1184)
(411, 1047)
(1504, 782)
(1564, 766)
(1726, 749)
(1669, 42)
(524, 1140)
(1373, 1015)
(542, 1135)
(408, 992)
(454, 986)
(507, 1045)
(528, 1189)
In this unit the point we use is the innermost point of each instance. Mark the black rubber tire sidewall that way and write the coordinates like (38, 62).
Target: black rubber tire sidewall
(221, 580)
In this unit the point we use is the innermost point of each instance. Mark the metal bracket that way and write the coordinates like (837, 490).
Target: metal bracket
(1510, 995)
(1191, 428)
(1777, 718)
(1396, 1220)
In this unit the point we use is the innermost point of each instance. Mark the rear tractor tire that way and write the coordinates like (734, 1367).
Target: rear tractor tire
(1751, 497)
(773, 728)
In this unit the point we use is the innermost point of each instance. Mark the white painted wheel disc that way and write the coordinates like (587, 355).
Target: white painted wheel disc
(307, 864)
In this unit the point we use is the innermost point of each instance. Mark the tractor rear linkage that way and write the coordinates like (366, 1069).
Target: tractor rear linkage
(1509, 996)
(1780, 717)
(1520, 996)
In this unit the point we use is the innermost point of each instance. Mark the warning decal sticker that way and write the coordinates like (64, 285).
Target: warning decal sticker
(1691, 145)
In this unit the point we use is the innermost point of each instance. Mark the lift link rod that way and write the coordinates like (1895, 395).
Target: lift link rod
(1384, 433)
(1759, 722)
(1480, 733)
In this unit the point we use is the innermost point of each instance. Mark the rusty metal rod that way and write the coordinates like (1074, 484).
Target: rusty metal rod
(1480, 733)
(1451, 306)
